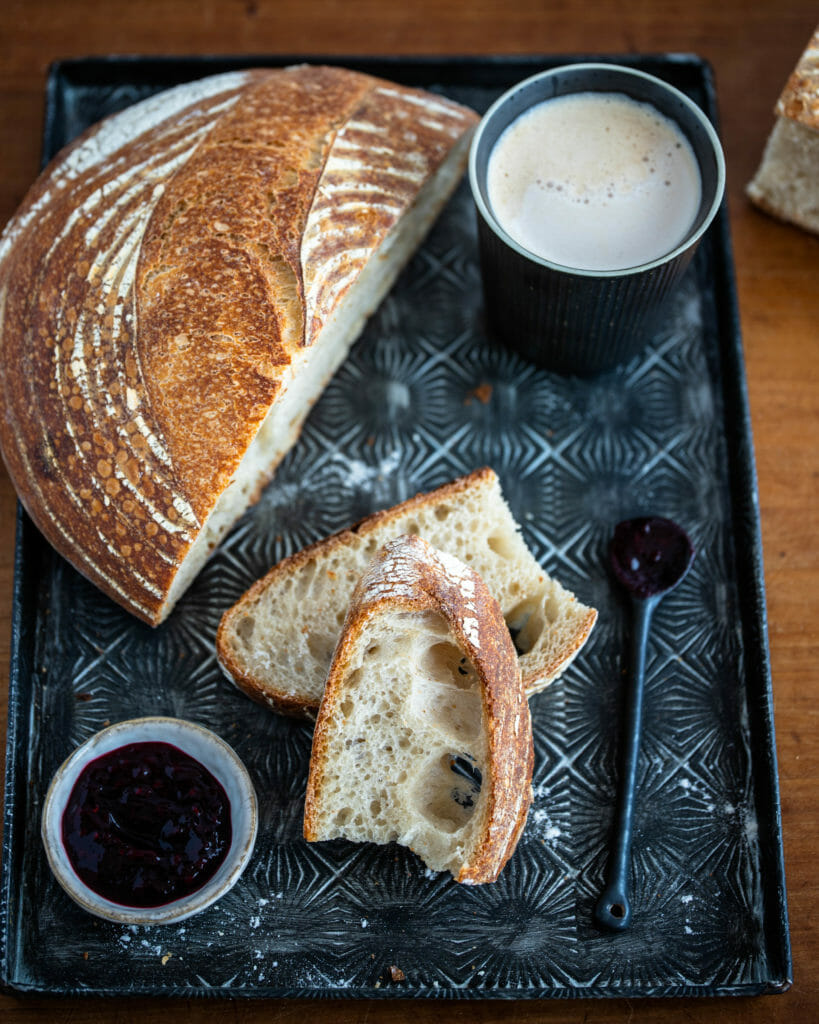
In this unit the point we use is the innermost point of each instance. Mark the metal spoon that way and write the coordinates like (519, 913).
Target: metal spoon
(649, 556)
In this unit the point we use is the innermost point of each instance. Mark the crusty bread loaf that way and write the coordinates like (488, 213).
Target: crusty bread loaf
(178, 287)
(424, 736)
(276, 642)
(786, 183)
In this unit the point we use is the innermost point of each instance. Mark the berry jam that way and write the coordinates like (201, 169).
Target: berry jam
(146, 824)
(649, 555)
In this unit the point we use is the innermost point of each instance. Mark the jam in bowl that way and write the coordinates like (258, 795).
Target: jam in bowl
(150, 821)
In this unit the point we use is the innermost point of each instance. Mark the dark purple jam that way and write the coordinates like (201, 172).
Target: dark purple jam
(146, 824)
(650, 554)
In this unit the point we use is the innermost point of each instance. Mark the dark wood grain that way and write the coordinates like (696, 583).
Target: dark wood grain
(752, 48)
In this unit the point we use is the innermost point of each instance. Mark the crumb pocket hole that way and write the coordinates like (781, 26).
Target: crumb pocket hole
(452, 708)
(448, 791)
(445, 663)
(246, 627)
(526, 623)
(501, 545)
(321, 647)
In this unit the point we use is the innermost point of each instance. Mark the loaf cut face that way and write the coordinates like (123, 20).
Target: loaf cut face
(178, 287)
(786, 183)
(424, 736)
(277, 641)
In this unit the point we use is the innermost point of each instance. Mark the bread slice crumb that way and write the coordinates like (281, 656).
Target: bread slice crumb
(424, 736)
(786, 184)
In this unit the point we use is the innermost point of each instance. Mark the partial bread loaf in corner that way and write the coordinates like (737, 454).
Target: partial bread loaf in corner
(180, 284)
(424, 736)
(277, 641)
(786, 184)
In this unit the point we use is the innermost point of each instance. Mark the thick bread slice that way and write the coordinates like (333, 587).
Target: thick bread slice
(424, 736)
(177, 288)
(786, 183)
(276, 642)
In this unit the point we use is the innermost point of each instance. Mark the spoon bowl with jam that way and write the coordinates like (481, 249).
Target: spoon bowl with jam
(649, 557)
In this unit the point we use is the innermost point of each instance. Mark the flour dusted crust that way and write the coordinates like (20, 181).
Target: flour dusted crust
(410, 576)
(171, 294)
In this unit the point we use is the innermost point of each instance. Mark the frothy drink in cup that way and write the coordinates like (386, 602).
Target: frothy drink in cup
(594, 184)
(594, 181)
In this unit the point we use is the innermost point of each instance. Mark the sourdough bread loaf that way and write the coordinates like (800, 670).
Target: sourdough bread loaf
(786, 183)
(277, 641)
(178, 287)
(424, 736)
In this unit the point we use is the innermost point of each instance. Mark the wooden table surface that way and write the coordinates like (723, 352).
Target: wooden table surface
(752, 46)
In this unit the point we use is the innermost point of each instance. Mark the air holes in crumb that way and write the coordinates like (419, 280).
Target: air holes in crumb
(442, 511)
(346, 707)
(321, 647)
(353, 679)
(500, 545)
(305, 578)
(445, 663)
(448, 791)
(526, 623)
(451, 708)
(245, 628)
(343, 816)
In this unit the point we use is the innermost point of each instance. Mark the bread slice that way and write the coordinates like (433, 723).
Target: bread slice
(424, 736)
(786, 183)
(277, 641)
(177, 288)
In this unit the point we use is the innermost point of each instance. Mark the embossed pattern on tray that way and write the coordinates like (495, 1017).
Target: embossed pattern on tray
(423, 398)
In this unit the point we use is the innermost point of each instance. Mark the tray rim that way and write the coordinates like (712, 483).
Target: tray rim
(742, 484)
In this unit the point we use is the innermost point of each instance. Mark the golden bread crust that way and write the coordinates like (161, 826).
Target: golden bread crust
(157, 295)
(799, 100)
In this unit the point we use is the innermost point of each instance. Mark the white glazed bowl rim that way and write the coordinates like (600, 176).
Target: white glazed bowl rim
(207, 748)
(497, 109)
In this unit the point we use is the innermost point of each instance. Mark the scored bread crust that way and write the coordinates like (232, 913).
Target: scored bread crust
(538, 669)
(163, 286)
(409, 575)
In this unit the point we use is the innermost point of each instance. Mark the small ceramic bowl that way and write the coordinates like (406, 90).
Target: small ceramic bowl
(200, 744)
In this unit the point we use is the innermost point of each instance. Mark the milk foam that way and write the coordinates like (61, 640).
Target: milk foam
(594, 181)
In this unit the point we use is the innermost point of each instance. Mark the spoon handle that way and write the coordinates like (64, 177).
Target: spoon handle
(613, 909)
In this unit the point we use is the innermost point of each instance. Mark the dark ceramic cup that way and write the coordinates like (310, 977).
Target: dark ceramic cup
(584, 321)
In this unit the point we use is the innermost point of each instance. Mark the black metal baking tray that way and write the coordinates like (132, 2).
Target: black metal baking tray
(423, 398)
